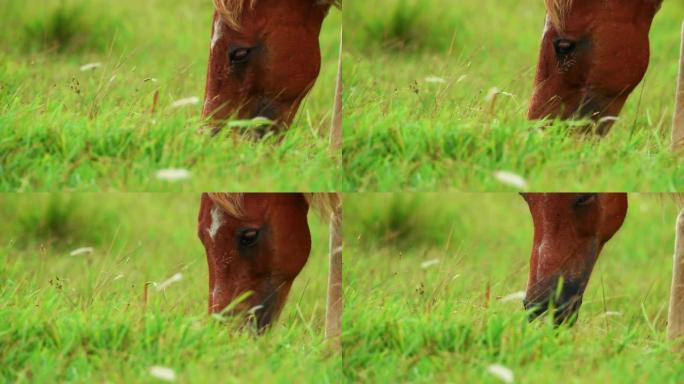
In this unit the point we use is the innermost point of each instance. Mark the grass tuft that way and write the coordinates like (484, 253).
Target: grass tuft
(69, 27)
(59, 222)
(401, 26)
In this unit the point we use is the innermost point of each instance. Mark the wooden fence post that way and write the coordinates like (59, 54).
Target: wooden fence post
(678, 120)
(333, 318)
(675, 322)
(336, 128)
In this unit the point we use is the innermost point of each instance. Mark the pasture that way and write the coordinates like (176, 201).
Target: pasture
(428, 279)
(68, 125)
(83, 318)
(437, 95)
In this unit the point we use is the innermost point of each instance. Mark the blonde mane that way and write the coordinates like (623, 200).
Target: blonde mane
(232, 203)
(231, 10)
(558, 10)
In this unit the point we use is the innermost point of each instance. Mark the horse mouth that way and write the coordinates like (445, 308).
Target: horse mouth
(253, 123)
(565, 305)
(599, 113)
(259, 132)
(268, 119)
(262, 315)
(257, 128)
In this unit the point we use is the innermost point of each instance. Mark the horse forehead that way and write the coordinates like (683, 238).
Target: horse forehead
(577, 16)
(273, 15)
(256, 205)
(269, 205)
(551, 212)
(587, 13)
(550, 218)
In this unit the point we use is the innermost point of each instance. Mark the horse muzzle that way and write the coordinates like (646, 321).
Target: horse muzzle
(564, 303)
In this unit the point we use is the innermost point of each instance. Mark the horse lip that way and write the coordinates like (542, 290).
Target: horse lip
(261, 131)
(595, 109)
(589, 108)
(267, 109)
(265, 312)
(563, 313)
(535, 309)
(566, 306)
(256, 133)
(567, 312)
(211, 128)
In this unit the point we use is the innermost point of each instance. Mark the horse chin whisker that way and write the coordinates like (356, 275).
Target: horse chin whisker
(607, 119)
(252, 311)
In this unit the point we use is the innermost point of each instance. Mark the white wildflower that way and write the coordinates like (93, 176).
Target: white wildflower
(511, 179)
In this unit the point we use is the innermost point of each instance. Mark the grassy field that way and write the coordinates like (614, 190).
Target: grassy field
(406, 321)
(67, 129)
(82, 318)
(417, 115)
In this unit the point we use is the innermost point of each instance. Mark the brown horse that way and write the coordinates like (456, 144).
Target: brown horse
(593, 55)
(256, 245)
(264, 59)
(570, 229)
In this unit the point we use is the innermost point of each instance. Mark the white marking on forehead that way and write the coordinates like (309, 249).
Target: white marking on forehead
(547, 26)
(543, 247)
(216, 222)
(217, 32)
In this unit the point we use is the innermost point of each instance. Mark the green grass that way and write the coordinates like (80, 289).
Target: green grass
(403, 132)
(404, 323)
(64, 129)
(82, 318)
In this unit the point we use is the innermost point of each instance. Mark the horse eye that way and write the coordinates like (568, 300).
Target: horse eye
(585, 199)
(564, 47)
(239, 55)
(248, 237)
